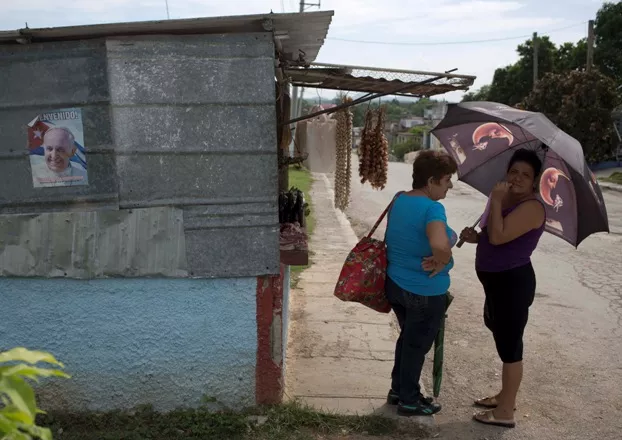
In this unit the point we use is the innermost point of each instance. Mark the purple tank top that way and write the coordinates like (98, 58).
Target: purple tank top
(516, 253)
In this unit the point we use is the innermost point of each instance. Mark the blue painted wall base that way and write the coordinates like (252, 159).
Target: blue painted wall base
(128, 342)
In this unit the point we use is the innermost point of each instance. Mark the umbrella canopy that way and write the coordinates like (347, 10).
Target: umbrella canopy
(482, 136)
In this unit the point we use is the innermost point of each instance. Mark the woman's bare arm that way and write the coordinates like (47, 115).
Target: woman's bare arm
(529, 215)
(439, 241)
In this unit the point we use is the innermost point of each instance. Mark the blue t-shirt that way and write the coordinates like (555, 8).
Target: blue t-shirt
(407, 245)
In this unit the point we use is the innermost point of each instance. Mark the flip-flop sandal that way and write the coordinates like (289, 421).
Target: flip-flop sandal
(488, 418)
(487, 402)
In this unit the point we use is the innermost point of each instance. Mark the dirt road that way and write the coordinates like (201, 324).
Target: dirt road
(573, 344)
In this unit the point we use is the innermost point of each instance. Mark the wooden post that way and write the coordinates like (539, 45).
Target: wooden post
(590, 45)
(534, 43)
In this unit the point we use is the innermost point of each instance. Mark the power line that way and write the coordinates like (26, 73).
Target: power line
(447, 43)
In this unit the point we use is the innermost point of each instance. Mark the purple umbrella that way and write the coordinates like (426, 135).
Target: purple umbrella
(482, 136)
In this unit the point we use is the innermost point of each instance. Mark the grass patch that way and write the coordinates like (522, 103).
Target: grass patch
(301, 178)
(282, 422)
(613, 178)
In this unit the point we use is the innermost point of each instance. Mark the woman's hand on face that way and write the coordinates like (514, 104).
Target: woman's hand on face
(429, 264)
(469, 235)
(500, 191)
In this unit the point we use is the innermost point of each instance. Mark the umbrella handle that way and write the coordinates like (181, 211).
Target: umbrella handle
(461, 242)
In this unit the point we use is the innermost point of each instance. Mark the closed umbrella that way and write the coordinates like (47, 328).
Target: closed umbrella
(482, 136)
(439, 342)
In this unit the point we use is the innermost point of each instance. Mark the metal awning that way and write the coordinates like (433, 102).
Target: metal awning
(300, 36)
(374, 80)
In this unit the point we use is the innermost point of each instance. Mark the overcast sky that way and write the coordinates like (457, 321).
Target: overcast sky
(420, 27)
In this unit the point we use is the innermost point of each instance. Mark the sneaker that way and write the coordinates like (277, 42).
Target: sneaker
(393, 398)
(420, 408)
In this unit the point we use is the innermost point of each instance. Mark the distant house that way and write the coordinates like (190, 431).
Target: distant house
(434, 115)
(408, 123)
(320, 107)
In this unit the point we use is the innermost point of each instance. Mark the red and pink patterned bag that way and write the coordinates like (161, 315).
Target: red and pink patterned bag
(364, 272)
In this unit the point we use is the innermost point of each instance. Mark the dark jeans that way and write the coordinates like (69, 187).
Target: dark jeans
(419, 318)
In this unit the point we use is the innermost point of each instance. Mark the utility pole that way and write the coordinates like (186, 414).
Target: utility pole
(534, 43)
(590, 45)
(297, 99)
(303, 4)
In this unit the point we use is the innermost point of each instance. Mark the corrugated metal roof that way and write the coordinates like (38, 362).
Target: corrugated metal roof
(301, 35)
(375, 80)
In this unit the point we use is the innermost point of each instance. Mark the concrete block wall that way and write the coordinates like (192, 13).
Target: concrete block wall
(180, 128)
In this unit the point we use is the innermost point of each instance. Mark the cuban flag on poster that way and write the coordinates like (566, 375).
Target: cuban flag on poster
(40, 126)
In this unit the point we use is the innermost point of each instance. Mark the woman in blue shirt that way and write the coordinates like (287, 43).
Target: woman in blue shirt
(417, 229)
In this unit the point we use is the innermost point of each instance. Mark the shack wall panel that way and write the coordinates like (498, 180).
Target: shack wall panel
(195, 128)
(84, 245)
(138, 76)
(49, 76)
(178, 179)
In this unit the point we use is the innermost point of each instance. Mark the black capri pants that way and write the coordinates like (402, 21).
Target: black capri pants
(509, 294)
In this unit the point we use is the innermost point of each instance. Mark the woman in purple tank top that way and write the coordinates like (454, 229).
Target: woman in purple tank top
(514, 225)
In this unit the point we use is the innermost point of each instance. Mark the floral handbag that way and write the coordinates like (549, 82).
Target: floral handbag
(364, 271)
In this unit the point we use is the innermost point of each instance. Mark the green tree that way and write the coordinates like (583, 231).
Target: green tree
(358, 115)
(400, 150)
(418, 107)
(395, 111)
(511, 84)
(571, 56)
(581, 104)
(608, 30)
(479, 95)
(420, 130)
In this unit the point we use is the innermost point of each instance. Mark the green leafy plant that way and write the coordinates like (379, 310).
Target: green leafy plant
(18, 405)
(400, 150)
(580, 103)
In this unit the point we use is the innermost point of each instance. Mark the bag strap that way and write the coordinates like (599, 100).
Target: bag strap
(383, 215)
